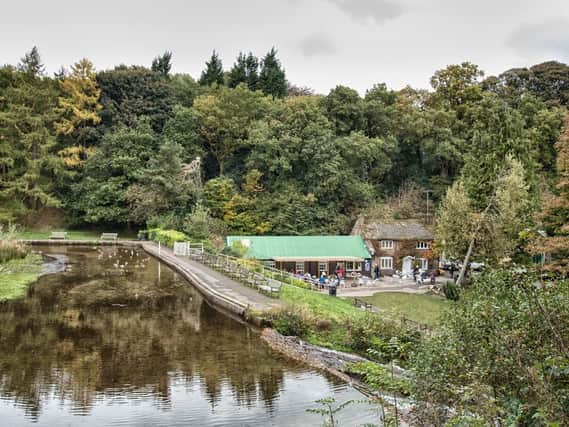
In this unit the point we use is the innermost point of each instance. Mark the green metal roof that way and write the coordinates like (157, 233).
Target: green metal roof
(307, 248)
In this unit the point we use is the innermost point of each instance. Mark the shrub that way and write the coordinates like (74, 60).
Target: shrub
(379, 378)
(373, 335)
(292, 322)
(451, 291)
(167, 237)
(10, 247)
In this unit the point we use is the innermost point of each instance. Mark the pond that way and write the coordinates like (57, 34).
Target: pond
(119, 339)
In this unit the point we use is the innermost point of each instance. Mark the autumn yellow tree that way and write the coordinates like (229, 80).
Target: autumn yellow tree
(555, 212)
(77, 107)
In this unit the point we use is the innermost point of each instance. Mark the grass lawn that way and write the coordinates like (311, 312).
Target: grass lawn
(321, 305)
(71, 235)
(16, 275)
(420, 308)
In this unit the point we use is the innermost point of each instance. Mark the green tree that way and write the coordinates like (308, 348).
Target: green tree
(252, 66)
(129, 93)
(185, 89)
(29, 164)
(457, 84)
(496, 131)
(162, 64)
(555, 212)
(213, 72)
(238, 73)
(103, 194)
(224, 117)
(344, 109)
(31, 64)
(160, 187)
(272, 78)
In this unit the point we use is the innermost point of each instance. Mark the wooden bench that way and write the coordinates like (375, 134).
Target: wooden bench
(109, 236)
(271, 287)
(58, 235)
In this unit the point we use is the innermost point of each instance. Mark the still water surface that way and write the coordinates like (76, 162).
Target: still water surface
(119, 339)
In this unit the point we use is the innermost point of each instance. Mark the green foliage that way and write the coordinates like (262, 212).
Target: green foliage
(167, 237)
(451, 291)
(29, 165)
(344, 109)
(372, 332)
(199, 225)
(162, 63)
(378, 378)
(213, 73)
(10, 247)
(328, 411)
(272, 78)
(128, 93)
(501, 352)
(292, 322)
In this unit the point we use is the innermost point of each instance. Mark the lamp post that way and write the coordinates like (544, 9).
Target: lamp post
(428, 192)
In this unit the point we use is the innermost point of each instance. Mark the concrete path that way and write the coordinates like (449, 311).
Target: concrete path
(213, 284)
(386, 284)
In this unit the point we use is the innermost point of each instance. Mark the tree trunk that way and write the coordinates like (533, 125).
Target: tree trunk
(462, 274)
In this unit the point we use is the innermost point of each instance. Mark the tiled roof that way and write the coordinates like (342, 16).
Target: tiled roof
(392, 230)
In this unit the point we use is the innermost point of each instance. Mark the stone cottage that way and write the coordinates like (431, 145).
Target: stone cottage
(397, 245)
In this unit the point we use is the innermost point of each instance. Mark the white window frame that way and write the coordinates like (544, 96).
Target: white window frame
(424, 263)
(386, 244)
(352, 266)
(422, 245)
(322, 267)
(386, 263)
(299, 267)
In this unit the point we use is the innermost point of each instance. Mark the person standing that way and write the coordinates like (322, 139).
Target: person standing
(376, 272)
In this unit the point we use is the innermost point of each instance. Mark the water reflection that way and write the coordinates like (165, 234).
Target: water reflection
(115, 339)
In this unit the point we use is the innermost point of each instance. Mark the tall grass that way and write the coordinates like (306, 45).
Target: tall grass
(10, 246)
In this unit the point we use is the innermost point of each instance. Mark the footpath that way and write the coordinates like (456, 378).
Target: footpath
(216, 287)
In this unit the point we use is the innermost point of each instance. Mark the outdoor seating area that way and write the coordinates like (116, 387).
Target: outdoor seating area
(109, 236)
(58, 235)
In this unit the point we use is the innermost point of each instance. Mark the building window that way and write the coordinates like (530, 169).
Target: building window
(300, 267)
(386, 263)
(422, 244)
(387, 244)
(424, 263)
(353, 266)
(323, 267)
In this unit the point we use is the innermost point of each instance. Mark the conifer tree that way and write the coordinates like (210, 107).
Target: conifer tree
(31, 64)
(78, 108)
(252, 65)
(272, 79)
(238, 73)
(213, 72)
(162, 63)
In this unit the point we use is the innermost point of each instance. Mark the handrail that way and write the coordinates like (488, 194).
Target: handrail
(244, 269)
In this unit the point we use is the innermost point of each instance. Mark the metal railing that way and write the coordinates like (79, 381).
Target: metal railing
(252, 273)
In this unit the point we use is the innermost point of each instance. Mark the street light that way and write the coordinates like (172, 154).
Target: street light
(428, 192)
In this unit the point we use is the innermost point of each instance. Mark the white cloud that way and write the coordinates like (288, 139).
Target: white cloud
(317, 45)
(548, 39)
(377, 11)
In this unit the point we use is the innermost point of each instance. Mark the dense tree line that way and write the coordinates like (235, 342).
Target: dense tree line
(107, 147)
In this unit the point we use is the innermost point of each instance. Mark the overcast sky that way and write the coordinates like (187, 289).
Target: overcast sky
(322, 43)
